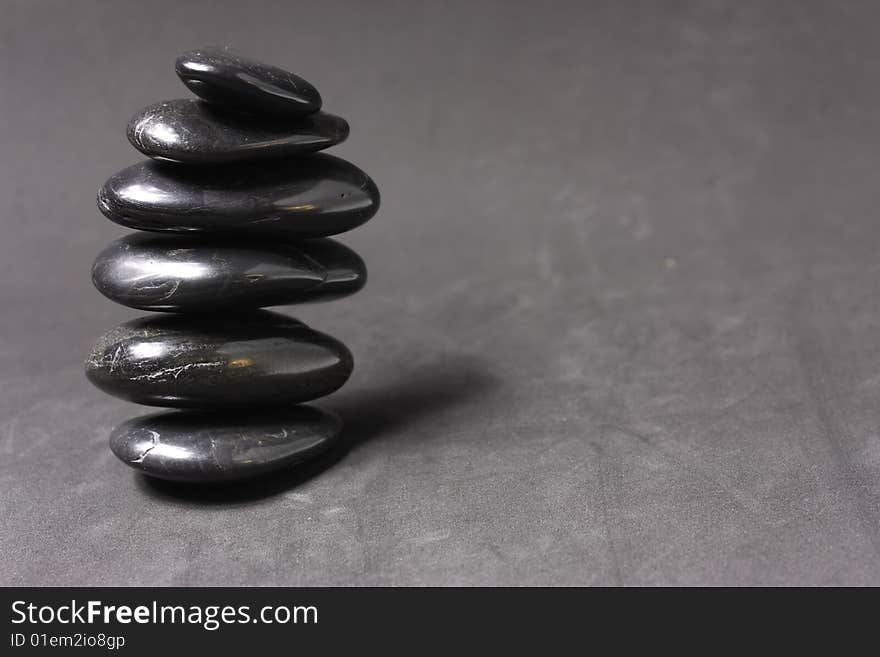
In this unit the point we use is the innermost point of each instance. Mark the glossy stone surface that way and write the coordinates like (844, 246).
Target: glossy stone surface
(314, 196)
(204, 447)
(178, 273)
(220, 361)
(229, 79)
(195, 132)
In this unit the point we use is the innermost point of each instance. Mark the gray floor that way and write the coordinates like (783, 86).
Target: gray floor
(622, 325)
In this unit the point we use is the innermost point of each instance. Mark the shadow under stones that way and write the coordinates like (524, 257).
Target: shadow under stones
(368, 415)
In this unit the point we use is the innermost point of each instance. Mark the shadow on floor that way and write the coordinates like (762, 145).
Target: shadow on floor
(368, 415)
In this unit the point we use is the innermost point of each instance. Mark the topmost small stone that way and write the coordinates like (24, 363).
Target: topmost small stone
(224, 77)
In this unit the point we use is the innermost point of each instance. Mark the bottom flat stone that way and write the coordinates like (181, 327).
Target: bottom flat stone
(203, 447)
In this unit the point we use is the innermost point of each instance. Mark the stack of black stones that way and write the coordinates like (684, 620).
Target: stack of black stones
(237, 207)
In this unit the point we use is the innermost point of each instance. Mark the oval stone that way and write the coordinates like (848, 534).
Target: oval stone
(227, 78)
(315, 196)
(176, 273)
(201, 447)
(194, 132)
(213, 361)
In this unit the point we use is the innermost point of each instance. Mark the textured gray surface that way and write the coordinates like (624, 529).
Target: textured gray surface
(622, 322)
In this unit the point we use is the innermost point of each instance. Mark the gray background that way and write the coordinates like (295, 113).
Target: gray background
(622, 325)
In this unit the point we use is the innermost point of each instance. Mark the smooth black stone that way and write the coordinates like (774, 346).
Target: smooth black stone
(227, 78)
(194, 132)
(176, 273)
(213, 361)
(204, 447)
(308, 197)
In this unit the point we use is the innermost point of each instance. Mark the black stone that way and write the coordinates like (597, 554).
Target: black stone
(177, 273)
(195, 132)
(229, 79)
(213, 361)
(204, 447)
(314, 196)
